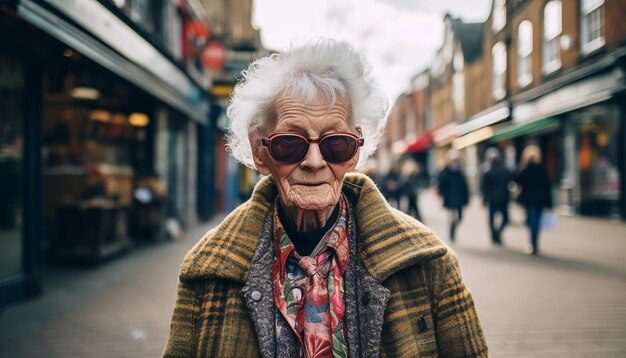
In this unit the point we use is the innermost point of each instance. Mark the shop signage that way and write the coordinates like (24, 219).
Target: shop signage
(576, 95)
(196, 36)
(222, 90)
(495, 114)
(237, 61)
(213, 55)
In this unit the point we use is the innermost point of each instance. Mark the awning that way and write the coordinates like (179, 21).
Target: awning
(472, 138)
(490, 116)
(445, 135)
(105, 39)
(421, 144)
(516, 130)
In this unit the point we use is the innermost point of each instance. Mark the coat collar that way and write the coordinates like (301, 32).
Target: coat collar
(390, 240)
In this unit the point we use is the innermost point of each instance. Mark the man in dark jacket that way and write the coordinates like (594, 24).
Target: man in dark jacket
(453, 189)
(495, 189)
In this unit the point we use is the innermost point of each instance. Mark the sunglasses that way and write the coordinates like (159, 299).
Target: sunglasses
(291, 148)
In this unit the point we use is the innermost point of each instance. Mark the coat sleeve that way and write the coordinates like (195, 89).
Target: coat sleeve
(183, 333)
(458, 329)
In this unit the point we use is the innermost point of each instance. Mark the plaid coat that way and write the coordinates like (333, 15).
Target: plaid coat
(409, 298)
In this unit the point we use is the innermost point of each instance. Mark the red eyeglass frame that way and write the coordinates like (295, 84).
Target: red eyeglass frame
(267, 143)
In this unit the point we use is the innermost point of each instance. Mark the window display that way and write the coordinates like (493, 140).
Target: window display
(598, 163)
(95, 153)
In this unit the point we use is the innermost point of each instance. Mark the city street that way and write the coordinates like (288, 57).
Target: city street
(568, 302)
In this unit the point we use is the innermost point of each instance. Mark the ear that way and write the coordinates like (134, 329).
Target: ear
(259, 154)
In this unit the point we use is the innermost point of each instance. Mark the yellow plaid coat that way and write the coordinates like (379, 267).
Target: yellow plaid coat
(425, 308)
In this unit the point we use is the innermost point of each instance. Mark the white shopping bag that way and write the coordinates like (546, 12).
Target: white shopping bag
(549, 220)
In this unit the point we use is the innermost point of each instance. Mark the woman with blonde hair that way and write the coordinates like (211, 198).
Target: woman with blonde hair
(535, 194)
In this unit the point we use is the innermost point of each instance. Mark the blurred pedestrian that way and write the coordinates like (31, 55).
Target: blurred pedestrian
(535, 192)
(371, 170)
(411, 181)
(453, 189)
(391, 185)
(495, 189)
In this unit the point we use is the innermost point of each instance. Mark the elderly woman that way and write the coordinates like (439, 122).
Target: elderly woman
(316, 264)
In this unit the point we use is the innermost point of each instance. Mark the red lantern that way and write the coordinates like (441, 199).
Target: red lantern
(196, 35)
(213, 55)
(197, 30)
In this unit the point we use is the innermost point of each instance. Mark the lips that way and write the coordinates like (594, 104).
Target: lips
(311, 184)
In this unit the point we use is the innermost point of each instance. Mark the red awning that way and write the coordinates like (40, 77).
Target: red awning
(421, 144)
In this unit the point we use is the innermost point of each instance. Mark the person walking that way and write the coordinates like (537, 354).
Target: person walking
(453, 189)
(410, 186)
(391, 186)
(495, 189)
(535, 192)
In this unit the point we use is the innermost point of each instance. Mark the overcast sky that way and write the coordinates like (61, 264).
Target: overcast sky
(398, 37)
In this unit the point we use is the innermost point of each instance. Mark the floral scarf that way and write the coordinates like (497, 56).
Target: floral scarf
(308, 290)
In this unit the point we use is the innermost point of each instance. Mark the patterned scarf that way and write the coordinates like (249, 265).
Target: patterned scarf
(308, 290)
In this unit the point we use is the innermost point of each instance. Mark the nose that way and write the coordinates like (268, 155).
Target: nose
(313, 159)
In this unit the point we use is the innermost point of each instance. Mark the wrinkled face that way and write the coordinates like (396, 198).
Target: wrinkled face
(313, 183)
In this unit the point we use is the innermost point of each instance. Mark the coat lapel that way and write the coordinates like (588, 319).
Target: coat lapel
(389, 239)
(371, 305)
(365, 303)
(259, 295)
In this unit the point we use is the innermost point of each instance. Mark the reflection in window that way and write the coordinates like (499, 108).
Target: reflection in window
(498, 53)
(598, 161)
(524, 52)
(551, 35)
(592, 22)
(499, 15)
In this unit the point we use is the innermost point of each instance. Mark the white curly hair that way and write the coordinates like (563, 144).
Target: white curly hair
(323, 67)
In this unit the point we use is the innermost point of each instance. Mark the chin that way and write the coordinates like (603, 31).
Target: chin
(314, 206)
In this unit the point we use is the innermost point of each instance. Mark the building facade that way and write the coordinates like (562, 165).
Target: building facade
(109, 132)
(550, 73)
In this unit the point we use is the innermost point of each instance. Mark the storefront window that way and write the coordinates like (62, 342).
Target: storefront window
(97, 173)
(12, 104)
(598, 162)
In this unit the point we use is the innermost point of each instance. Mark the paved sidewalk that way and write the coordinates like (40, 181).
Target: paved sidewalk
(119, 309)
(568, 302)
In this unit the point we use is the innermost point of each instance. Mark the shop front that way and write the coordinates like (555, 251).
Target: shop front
(580, 129)
(97, 140)
(597, 133)
(100, 191)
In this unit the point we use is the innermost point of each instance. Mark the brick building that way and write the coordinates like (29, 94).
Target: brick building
(550, 73)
